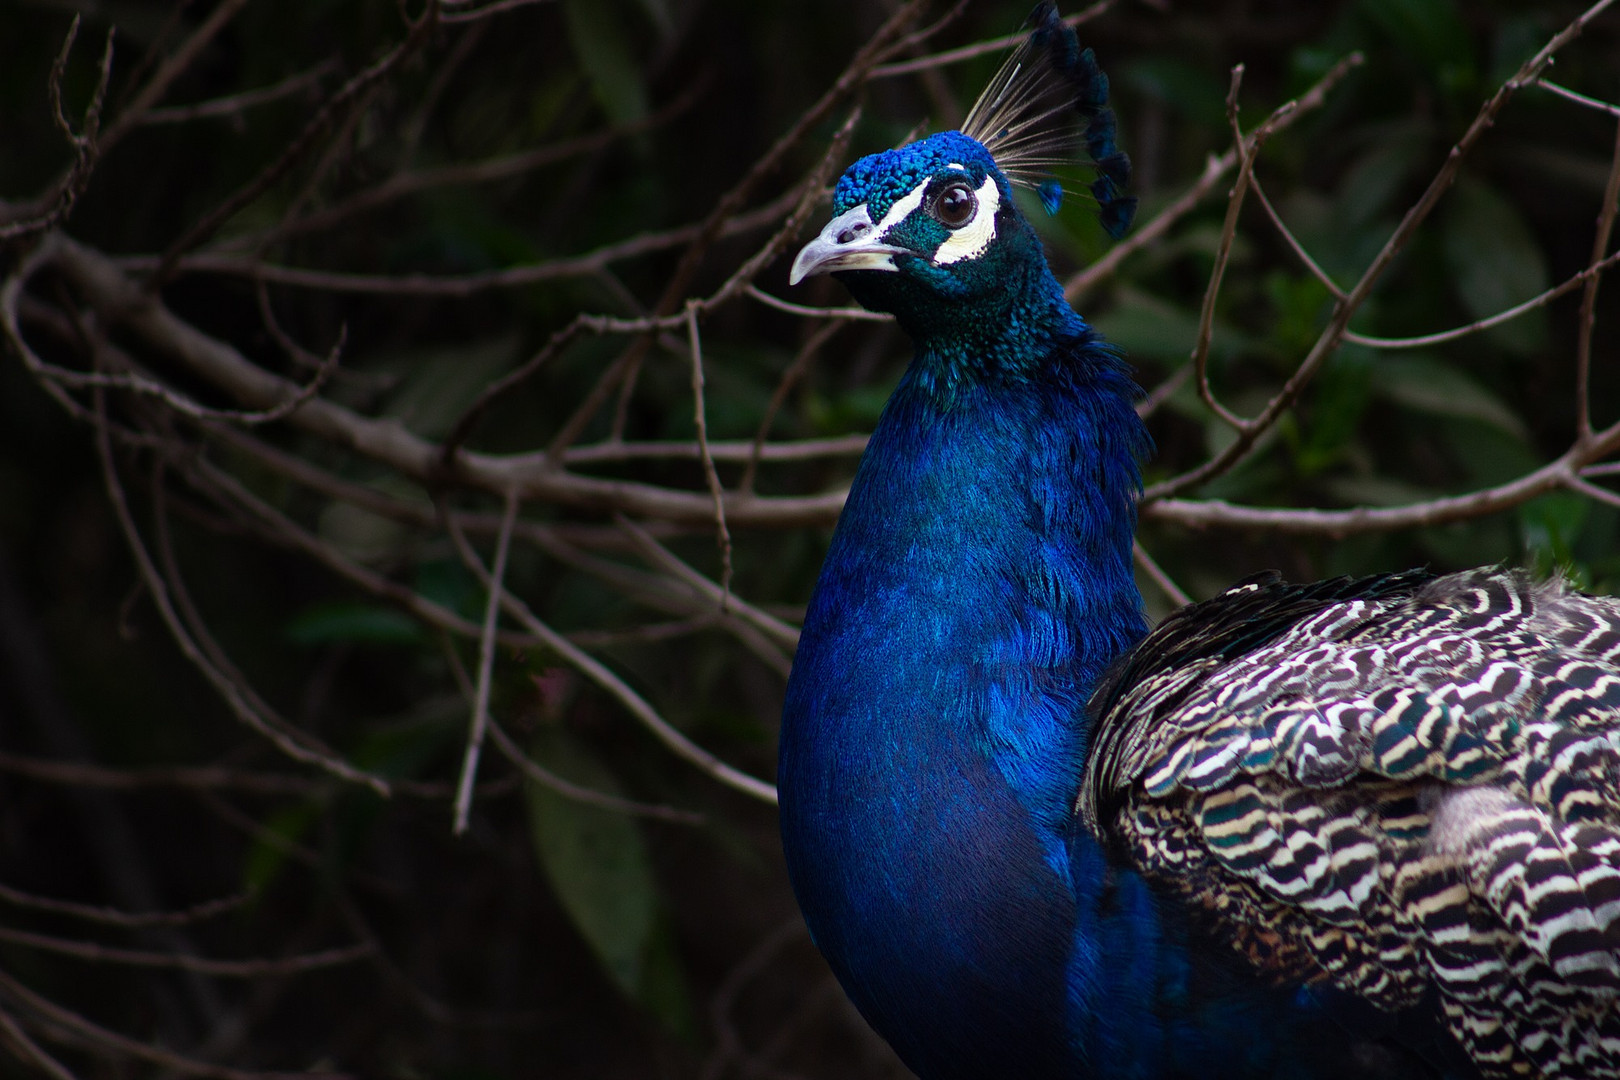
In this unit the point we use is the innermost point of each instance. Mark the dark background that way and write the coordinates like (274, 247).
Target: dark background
(557, 938)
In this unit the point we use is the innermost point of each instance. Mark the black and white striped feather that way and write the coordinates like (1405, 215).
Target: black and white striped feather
(1404, 785)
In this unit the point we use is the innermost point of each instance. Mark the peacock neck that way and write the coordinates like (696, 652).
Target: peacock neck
(977, 584)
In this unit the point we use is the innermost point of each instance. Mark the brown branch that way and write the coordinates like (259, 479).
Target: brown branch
(1588, 316)
(157, 589)
(1579, 99)
(127, 919)
(494, 7)
(1328, 342)
(1588, 275)
(491, 170)
(171, 69)
(87, 147)
(1223, 253)
(598, 673)
(351, 91)
(479, 722)
(1157, 575)
(1293, 242)
(202, 965)
(106, 1040)
(463, 285)
(537, 773)
(978, 48)
(1592, 491)
(119, 301)
(868, 56)
(710, 474)
(78, 774)
(1289, 113)
(722, 450)
(660, 556)
(233, 105)
(30, 1051)
(790, 378)
(852, 314)
(1559, 473)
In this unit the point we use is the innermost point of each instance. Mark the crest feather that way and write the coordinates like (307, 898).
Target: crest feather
(1049, 99)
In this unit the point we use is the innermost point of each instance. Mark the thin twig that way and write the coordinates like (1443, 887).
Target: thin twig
(1558, 473)
(80, 774)
(1223, 253)
(1293, 242)
(171, 69)
(711, 475)
(1440, 337)
(463, 285)
(491, 170)
(417, 35)
(30, 1051)
(235, 104)
(1216, 167)
(790, 378)
(157, 590)
(1157, 575)
(585, 796)
(852, 314)
(202, 965)
(598, 673)
(978, 48)
(1328, 341)
(494, 7)
(127, 919)
(877, 48)
(1592, 491)
(486, 668)
(86, 143)
(1579, 99)
(660, 556)
(1588, 316)
(102, 1038)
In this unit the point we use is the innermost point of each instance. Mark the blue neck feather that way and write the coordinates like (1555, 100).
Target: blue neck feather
(979, 581)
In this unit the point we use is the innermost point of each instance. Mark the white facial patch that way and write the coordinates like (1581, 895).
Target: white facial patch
(971, 240)
(968, 242)
(901, 209)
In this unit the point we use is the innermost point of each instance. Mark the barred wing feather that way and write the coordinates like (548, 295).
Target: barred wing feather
(1402, 785)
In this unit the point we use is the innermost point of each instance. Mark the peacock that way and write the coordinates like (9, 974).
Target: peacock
(1367, 827)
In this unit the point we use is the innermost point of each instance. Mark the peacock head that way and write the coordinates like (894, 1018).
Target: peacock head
(930, 231)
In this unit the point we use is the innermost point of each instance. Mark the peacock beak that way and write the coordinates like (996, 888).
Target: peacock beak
(849, 242)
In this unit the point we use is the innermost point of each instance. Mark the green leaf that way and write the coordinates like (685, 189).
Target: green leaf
(597, 31)
(1495, 261)
(1433, 33)
(1188, 88)
(1550, 526)
(1425, 385)
(268, 854)
(597, 863)
(370, 623)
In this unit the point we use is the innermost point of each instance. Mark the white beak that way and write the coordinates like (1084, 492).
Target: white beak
(848, 242)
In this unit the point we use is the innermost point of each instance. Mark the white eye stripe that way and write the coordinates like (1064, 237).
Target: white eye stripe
(968, 242)
(901, 209)
(971, 240)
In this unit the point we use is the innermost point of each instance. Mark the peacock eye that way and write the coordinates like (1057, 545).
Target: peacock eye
(954, 206)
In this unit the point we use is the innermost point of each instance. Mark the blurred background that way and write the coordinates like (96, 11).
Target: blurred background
(239, 649)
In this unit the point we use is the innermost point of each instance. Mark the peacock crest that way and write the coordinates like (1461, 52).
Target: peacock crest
(1048, 101)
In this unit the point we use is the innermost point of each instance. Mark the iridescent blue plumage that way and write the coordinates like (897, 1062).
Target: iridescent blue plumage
(1259, 853)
